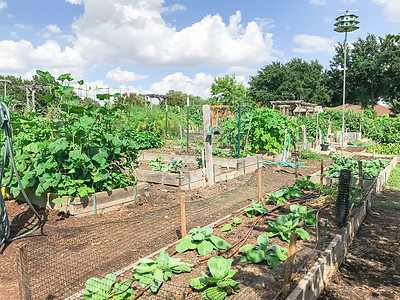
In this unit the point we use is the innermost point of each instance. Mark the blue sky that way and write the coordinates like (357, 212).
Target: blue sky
(156, 45)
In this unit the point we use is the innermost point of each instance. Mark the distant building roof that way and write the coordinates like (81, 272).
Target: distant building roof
(380, 109)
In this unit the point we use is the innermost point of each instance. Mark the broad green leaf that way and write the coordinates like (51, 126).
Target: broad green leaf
(162, 259)
(219, 266)
(184, 244)
(226, 227)
(94, 285)
(219, 243)
(263, 240)
(214, 293)
(198, 283)
(108, 281)
(204, 248)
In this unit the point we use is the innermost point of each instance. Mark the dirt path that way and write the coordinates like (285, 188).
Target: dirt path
(372, 266)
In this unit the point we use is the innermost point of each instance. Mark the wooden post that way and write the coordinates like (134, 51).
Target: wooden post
(208, 144)
(303, 128)
(360, 174)
(183, 214)
(289, 265)
(180, 131)
(259, 186)
(22, 272)
(296, 171)
(321, 178)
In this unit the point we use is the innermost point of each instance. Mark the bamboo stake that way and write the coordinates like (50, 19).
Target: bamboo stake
(259, 186)
(289, 265)
(322, 172)
(22, 272)
(183, 214)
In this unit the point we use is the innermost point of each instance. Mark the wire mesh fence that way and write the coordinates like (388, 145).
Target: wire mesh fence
(57, 263)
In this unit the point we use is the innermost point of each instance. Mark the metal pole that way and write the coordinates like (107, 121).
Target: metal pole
(344, 87)
(187, 125)
(240, 122)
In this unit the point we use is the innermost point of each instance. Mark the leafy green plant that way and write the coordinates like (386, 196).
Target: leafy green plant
(276, 197)
(235, 222)
(284, 226)
(258, 253)
(153, 273)
(220, 284)
(175, 165)
(304, 183)
(201, 240)
(303, 214)
(158, 164)
(356, 194)
(256, 208)
(108, 288)
(292, 191)
(310, 155)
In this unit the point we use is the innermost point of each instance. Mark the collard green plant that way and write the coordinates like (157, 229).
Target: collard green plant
(108, 288)
(290, 192)
(304, 183)
(153, 273)
(256, 208)
(175, 165)
(202, 240)
(158, 164)
(258, 253)
(276, 197)
(284, 226)
(235, 222)
(220, 284)
(303, 214)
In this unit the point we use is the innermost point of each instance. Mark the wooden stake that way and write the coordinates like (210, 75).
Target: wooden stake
(321, 179)
(259, 186)
(183, 214)
(289, 265)
(296, 173)
(360, 174)
(22, 272)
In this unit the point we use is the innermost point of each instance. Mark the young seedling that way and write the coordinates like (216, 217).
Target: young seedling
(302, 214)
(158, 164)
(153, 273)
(201, 240)
(220, 284)
(261, 252)
(276, 197)
(235, 222)
(107, 288)
(305, 183)
(284, 227)
(256, 208)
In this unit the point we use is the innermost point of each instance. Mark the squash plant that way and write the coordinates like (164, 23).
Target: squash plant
(256, 208)
(258, 253)
(276, 197)
(108, 288)
(153, 273)
(235, 222)
(158, 164)
(202, 240)
(284, 226)
(220, 284)
(304, 183)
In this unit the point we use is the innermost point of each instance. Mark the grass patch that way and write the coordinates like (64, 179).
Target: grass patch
(311, 155)
(394, 179)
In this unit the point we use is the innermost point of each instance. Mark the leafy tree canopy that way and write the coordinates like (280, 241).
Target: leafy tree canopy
(226, 90)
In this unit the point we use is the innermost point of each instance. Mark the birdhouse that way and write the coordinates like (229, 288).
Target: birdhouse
(346, 23)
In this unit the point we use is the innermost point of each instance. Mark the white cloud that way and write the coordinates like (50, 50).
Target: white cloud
(75, 1)
(21, 56)
(267, 23)
(22, 26)
(198, 86)
(241, 71)
(119, 75)
(14, 34)
(318, 2)
(148, 40)
(313, 44)
(3, 5)
(53, 28)
(174, 7)
(391, 9)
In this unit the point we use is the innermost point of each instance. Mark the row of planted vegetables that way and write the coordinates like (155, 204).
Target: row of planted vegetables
(218, 282)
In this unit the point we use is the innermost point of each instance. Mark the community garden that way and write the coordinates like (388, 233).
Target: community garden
(272, 207)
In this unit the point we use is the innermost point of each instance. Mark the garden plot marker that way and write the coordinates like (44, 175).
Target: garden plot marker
(208, 144)
(289, 264)
(183, 214)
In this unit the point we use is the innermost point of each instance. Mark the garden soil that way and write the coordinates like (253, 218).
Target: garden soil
(372, 266)
(67, 250)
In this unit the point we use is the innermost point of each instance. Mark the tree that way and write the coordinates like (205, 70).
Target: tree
(132, 98)
(294, 80)
(13, 88)
(227, 91)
